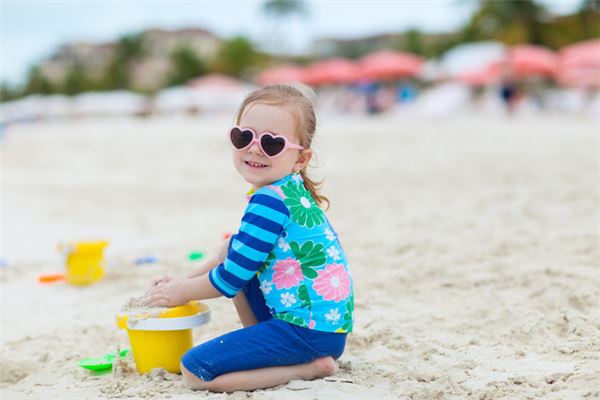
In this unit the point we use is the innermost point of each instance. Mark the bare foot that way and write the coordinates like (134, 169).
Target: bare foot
(325, 366)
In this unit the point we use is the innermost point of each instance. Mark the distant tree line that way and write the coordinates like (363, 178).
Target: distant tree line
(509, 21)
(235, 57)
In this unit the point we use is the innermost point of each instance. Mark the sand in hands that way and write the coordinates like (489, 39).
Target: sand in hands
(138, 310)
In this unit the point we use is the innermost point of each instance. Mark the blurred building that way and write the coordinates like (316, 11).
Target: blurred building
(413, 41)
(93, 57)
(158, 42)
(148, 60)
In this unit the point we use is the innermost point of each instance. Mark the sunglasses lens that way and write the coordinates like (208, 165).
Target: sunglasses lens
(240, 138)
(272, 145)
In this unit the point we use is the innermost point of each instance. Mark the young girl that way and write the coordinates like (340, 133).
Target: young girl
(285, 269)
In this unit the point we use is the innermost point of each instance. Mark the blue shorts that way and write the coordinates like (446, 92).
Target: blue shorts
(270, 343)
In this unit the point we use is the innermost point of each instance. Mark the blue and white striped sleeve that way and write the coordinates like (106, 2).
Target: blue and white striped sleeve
(262, 223)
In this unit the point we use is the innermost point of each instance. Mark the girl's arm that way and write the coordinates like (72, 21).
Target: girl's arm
(212, 262)
(196, 286)
(207, 266)
(263, 221)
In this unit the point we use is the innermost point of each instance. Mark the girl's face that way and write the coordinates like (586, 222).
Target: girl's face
(252, 164)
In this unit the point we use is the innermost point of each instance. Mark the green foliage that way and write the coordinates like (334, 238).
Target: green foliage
(284, 8)
(509, 21)
(186, 65)
(413, 42)
(77, 81)
(37, 83)
(236, 56)
(116, 75)
(128, 49)
(9, 92)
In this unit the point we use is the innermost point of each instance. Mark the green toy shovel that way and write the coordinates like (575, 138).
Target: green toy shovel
(101, 363)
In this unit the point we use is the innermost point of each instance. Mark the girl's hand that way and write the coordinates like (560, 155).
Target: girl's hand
(162, 279)
(167, 294)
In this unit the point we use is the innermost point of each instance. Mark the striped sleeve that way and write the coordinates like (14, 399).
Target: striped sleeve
(262, 223)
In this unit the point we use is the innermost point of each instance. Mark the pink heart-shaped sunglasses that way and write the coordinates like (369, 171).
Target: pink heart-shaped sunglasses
(270, 144)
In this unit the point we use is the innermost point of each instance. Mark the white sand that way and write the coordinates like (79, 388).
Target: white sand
(473, 243)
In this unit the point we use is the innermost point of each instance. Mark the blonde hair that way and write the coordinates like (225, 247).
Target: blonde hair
(298, 99)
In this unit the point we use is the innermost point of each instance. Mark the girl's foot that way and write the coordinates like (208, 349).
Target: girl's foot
(322, 367)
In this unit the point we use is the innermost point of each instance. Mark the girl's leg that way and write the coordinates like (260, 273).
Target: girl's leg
(267, 354)
(250, 304)
(264, 377)
(242, 306)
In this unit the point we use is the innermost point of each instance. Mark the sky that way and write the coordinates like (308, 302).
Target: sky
(32, 30)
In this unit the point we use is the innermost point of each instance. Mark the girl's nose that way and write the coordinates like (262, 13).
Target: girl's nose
(255, 149)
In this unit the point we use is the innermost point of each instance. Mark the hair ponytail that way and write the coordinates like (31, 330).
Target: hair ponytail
(314, 187)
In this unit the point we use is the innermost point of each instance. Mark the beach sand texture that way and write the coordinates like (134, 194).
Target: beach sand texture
(473, 242)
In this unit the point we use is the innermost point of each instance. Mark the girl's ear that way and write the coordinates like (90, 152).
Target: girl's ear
(304, 158)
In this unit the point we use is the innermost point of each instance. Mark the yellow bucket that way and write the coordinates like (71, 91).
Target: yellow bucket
(84, 261)
(160, 341)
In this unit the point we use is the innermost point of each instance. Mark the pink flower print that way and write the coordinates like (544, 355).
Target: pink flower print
(332, 283)
(311, 324)
(287, 273)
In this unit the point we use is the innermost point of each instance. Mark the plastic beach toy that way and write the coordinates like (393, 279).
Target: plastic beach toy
(196, 256)
(84, 261)
(51, 278)
(160, 341)
(101, 363)
(146, 260)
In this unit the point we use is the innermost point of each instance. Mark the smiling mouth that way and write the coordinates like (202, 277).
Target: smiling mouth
(255, 164)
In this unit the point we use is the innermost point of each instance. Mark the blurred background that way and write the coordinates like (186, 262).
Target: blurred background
(66, 59)
(106, 80)
(457, 140)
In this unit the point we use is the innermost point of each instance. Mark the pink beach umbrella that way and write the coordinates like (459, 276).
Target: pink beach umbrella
(528, 60)
(389, 64)
(488, 75)
(281, 74)
(579, 64)
(330, 71)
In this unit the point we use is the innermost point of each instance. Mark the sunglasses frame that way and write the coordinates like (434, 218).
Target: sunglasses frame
(257, 139)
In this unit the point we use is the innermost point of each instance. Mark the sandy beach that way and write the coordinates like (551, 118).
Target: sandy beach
(473, 241)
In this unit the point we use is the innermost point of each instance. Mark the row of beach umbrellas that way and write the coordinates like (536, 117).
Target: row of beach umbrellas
(385, 64)
(481, 63)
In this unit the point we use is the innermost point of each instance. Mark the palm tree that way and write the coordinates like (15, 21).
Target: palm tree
(284, 8)
(588, 13)
(186, 65)
(281, 12)
(510, 21)
(117, 74)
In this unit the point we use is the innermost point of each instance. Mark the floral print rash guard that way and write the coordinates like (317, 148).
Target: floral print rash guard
(286, 240)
